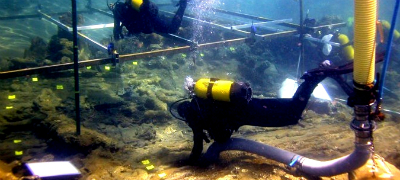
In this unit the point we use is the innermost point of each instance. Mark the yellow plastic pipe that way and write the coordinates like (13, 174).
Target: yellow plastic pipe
(364, 41)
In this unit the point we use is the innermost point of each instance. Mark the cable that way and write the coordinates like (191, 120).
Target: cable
(170, 108)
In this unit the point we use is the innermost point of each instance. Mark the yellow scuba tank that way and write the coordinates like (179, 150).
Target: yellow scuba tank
(136, 4)
(347, 50)
(386, 26)
(222, 90)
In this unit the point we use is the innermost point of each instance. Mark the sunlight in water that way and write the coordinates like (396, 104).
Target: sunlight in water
(202, 9)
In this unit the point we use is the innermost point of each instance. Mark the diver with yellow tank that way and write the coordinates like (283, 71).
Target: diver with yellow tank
(220, 107)
(141, 16)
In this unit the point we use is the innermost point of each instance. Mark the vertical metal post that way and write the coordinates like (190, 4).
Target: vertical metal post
(76, 67)
(302, 37)
(301, 48)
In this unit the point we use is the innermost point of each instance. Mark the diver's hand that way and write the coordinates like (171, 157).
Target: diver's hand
(182, 3)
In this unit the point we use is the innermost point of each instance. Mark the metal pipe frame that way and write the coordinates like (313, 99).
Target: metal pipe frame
(67, 28)
(128, 57)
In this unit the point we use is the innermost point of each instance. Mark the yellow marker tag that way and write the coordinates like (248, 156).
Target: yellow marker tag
(19, 153)
(60, 87)
(11, 96)
(184, 55)
(201, 54)
(9, 107)
(150, 167)
(35, 79)
(232, 48)
(162, 175)
(134, 63)
(88, 67)
(107, 68)
(145, 162)
(17, 141)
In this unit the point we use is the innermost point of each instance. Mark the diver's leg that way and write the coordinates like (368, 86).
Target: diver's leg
(177, 20)
(197, 144)
(161, 24)
(117, 31)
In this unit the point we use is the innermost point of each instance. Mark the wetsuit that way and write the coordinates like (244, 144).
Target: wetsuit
(146, 20)
(221, 119)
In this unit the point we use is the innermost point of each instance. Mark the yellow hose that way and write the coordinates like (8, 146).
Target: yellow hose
(364, 41)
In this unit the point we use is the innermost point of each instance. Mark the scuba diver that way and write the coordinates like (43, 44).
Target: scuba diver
(220, 107)
(141, 16)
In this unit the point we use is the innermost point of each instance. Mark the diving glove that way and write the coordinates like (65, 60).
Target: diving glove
(182, 3)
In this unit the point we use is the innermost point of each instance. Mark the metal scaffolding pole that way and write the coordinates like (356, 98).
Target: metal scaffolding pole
(76, 67)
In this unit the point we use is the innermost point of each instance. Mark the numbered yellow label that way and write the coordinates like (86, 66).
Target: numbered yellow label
(145, 162)
(150, 167)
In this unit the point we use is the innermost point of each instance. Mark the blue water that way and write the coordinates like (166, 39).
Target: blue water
(16, 35)
(21, 31)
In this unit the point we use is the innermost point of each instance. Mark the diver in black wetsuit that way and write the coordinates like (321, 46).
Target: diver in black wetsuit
(141, 16)
(220, 118)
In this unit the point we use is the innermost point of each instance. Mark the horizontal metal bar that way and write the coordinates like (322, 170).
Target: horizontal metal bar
(97, 26)
(34, 15)
(162, 52)
(58, 23)
(93, 42)
(335, 25)
(180, 38)
(128, 57)
(252, 17)
(67, 28)
(51, 68)
(261, 23)
(215, 25)
(292, 25)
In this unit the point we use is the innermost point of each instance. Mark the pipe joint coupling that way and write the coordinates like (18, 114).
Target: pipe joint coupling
(361, 125)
